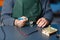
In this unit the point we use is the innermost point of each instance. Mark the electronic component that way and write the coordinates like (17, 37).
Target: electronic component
(23, 18)
(49, 30)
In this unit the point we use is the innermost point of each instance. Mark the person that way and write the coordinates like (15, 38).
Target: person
(44, 19)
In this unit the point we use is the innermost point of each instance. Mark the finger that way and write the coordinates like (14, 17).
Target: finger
(21, 21)
(21, 24)
(38, 21)
(41, 23)
(44, 25)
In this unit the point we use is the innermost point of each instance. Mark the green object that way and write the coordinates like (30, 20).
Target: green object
(29, 8)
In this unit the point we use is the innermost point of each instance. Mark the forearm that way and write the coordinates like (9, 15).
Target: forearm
(7, 9)
(48, 16)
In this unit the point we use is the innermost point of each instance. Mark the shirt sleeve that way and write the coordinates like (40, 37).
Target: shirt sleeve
(48, 14)
(6, 13)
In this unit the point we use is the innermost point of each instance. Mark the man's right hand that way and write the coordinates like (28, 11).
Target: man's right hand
(19, 23)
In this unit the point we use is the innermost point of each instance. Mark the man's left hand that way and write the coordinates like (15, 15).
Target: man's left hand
(42, 22)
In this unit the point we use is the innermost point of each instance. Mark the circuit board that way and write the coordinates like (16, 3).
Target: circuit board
(49, 30)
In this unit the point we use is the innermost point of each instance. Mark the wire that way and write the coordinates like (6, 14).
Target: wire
(3, 33)
(1, 25)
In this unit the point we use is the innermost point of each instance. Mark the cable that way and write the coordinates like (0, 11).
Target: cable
(3, 33)
(1, 25)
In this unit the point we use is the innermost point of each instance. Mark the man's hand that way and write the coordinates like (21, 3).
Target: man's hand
(42, 22)
(20, 23)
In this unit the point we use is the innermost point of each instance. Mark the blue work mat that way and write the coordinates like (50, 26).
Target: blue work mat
(12, 34)
(28, 30)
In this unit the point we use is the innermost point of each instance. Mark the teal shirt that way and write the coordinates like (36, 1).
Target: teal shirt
(29, 8)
